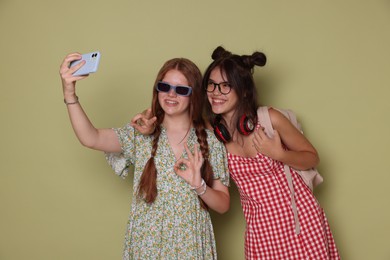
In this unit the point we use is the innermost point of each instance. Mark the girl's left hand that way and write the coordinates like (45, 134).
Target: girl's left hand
(269, 146)
(144, 122)
(189, 169)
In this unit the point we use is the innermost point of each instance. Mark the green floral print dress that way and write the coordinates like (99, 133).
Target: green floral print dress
(174, 226)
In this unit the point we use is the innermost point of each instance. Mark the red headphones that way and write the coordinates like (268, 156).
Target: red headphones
(245, 126)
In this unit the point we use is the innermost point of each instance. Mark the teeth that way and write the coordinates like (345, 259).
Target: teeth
(171, 102)
(218, 101)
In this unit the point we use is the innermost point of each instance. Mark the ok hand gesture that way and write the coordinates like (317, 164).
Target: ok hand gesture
(189, 169)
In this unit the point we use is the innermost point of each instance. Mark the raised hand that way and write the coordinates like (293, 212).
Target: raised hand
(189, 169)
(68, 80)
(144, 122)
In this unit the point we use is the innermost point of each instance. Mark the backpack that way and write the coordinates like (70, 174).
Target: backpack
(310, 177)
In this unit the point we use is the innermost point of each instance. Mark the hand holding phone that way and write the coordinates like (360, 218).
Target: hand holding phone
(91, 63)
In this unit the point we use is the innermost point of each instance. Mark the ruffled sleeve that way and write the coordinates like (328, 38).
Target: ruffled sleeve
(218, 159)
(120, 162)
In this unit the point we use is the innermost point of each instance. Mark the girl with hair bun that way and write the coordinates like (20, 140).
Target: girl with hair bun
(256, 164)
(180, 171)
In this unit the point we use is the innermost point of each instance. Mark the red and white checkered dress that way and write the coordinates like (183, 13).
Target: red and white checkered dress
(266, 202)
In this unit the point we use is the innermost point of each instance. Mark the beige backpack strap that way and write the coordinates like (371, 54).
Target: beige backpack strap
(265, 121)
(293, 204)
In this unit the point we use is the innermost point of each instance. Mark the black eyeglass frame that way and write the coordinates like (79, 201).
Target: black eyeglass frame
(219, 87)
(189, 89)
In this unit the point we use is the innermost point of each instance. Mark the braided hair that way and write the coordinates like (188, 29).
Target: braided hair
(147, 188)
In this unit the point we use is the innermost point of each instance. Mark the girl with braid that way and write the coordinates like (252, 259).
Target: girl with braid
(180, 170)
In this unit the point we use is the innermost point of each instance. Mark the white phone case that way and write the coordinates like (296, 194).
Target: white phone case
(91, 63)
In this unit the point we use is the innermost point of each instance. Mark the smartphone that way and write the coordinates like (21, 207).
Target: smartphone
(91, 63)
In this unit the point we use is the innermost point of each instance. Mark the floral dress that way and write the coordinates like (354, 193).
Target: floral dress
(174, 226)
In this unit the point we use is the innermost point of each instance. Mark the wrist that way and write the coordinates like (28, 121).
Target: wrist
(201, 189)
(281, 155)
(199, 185)
(72, 100)
(69, 93)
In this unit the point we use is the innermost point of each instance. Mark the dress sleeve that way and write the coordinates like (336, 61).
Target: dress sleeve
(120, 162)
(218, 159)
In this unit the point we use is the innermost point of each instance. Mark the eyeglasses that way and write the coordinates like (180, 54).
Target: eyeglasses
(223, 87)
(184, 91)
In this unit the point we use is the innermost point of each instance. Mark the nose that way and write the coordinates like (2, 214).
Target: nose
(172, 93)
(216, 91)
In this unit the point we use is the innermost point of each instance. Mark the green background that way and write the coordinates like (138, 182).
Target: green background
(329, 61)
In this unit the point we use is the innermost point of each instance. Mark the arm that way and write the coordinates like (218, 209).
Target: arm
(300, 153)
(216, 197)
(89, 136)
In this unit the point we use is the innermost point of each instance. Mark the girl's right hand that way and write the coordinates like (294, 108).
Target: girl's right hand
(68, 80)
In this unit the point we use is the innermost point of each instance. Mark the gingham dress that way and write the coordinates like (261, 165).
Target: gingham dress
(266, 202)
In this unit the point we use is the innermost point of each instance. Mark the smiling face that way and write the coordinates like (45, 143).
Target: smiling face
(221, 104)
(170, 102)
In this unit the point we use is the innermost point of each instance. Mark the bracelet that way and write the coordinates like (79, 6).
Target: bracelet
(195, 188)
(203, 191)
(72, 103)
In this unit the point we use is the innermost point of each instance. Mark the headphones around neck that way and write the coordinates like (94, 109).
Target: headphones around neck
(245, 126)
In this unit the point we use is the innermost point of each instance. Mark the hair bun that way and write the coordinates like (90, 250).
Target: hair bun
(219, 53)
(257, 58)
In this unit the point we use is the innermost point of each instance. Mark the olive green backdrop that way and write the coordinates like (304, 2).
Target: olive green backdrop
(329, 61)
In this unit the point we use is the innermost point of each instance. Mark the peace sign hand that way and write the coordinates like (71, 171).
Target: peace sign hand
(144, 122)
